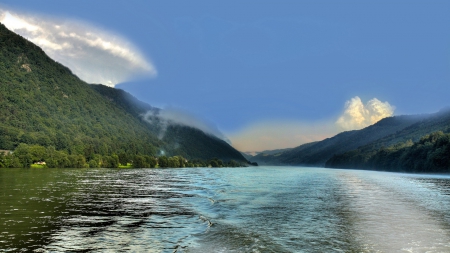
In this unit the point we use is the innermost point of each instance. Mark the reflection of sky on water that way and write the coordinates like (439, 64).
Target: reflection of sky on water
(264, 209)
(391, 214)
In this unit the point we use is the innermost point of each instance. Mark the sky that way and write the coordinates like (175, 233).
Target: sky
(266, 74)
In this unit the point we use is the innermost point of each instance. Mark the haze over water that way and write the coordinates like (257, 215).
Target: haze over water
(260, 209)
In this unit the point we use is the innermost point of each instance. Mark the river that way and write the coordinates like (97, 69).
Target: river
(255, 209)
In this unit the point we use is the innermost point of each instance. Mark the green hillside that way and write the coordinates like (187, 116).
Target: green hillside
(420, 147)
(426, 124)
(43, 103)
(177, 139)
(317, 153)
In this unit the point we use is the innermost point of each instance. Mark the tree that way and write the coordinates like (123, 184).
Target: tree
(139, 162)
(114, 161)
(163, 162)
(89, 152)
(77, 161)
(22, 152)
(110, 161)
(37, 152)
(2, 158)
(233, 164)
(93, 164)
(182, 162)
(151, 161)
(123, 158)
(173, 162)
(213, 163)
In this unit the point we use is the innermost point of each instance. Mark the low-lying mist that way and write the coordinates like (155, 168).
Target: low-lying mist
(174, 116)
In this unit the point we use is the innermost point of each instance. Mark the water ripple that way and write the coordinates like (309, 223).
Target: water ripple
(265, 209)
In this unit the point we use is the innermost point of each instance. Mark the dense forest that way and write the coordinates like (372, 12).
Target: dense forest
(177, 139)
(393, 152)
(43, 104)
(430, 154)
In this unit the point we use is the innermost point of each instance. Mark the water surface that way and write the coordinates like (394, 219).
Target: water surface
(258, 209)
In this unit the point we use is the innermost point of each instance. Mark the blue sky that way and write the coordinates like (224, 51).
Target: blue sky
(276, 68)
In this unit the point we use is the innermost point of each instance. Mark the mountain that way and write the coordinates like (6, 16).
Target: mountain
(429, 154)
(247, 156)
(410, 143)
(427, 124)
(42, 102)
(276, 157)
(177, 139)
(317, 153)
(251, 155)
(414, 148)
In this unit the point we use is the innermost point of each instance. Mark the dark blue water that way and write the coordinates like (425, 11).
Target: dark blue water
(261, 209)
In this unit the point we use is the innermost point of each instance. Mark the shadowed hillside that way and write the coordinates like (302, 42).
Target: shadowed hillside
(317, 153)
(178, 139)
(415, 148)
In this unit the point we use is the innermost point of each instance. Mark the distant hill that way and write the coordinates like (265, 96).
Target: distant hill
(42, 102)
(251, 155)
(426, 124)
(394, 151)
(274, 151)
(276, 157)
(247, 156)
(317, 153)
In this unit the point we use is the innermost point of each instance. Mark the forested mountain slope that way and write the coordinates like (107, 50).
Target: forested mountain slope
(42, 102)
(317, 153)
(177, 139)
(426, 124)
(423, 135)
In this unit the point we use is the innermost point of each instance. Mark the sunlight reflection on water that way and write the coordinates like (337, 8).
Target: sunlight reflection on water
(264, 209)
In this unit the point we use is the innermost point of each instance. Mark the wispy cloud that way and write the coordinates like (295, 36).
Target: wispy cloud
(173, 116)
(94, 55)
(358, 115)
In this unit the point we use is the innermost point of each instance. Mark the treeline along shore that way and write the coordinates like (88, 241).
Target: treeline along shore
(27, 156)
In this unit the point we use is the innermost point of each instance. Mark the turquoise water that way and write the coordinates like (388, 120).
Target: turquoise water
(258, 209)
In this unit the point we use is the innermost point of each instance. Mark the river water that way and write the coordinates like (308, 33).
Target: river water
(257, 209)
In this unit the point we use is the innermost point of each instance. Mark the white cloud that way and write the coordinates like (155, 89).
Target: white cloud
(94, 55)
(357, 115)
(15, 23)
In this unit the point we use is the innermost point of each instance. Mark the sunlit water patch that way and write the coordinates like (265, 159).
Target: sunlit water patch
(258, 209)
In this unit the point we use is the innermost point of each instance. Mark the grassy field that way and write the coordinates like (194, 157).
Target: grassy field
(37, 166)
(128, 166)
